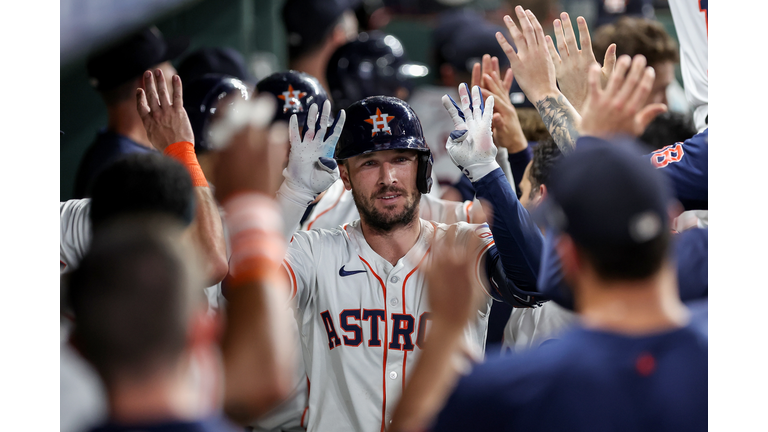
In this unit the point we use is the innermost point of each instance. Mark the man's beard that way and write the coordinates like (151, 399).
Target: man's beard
(385, 223)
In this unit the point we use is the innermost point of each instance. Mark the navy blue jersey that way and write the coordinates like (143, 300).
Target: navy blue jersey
(107, 148)
(590, 381)
(684, 163)
(211, 424)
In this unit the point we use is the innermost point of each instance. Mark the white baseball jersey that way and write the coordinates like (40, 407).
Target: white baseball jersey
(363, 321)
(75, 239)
(530, 327)
(337, 207)
(691, 24)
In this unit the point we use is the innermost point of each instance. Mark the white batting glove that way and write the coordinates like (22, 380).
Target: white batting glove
(311, 168)
(470, 145)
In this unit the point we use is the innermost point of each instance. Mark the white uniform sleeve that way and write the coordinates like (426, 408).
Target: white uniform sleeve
(74, 232)
(486, 237)
(691, 24)
(300, 265)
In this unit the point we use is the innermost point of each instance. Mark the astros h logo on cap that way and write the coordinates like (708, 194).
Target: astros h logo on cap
(292, 98)
(380, 122)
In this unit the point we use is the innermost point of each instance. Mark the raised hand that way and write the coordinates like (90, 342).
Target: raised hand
(165, 120)
(470, 145)
(618, 109)
(507, 131)
(572, 64)
(311, 168)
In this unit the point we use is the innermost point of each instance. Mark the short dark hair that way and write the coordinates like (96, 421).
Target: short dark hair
(545, 154)
(634, 36)
(629, 263)
(666, 129)
(133, 295)
(142, 183)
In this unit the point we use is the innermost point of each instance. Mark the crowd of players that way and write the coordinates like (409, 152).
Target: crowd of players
(196, 258)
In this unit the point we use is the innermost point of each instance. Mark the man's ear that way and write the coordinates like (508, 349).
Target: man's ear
(344, 174)
(541, 195)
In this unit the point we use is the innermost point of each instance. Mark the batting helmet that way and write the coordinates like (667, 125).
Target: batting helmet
(295, 92)
(201, 99)
(373, 64)
(379, 123)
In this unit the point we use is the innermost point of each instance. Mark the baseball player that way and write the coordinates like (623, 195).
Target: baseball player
(359, 297)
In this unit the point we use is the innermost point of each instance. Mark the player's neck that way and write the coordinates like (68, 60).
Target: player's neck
(125, 120)
(637, 307)
(162, 396)
(394, 244)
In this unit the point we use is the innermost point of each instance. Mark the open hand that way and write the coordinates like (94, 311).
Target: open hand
(165, 120)
(531, 64)
(618, 109)
(572, 64)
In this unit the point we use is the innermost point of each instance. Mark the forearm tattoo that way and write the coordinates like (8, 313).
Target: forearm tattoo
(557, 114)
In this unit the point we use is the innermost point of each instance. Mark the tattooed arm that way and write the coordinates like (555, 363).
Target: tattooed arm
(561, 120)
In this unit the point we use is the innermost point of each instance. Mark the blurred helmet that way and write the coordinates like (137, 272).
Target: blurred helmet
(373, 64)
(380, 123)
(295, 92)
(201, 100)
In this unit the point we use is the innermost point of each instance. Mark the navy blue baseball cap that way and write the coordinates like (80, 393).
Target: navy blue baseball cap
(308, 22)
(131, 57)
(217, 60)
(463, 36)
(606, 196)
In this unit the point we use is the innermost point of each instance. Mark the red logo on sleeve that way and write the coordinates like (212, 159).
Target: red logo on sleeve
(667, 155)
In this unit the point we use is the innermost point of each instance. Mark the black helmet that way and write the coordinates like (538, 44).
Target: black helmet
(295, 92)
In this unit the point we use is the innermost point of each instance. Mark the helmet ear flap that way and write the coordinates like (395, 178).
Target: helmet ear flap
(424, 172)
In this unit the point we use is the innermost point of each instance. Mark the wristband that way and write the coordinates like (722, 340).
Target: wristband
(184, 152)
(255, 233)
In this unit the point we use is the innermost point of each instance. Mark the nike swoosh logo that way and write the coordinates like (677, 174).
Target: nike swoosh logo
(343, 272)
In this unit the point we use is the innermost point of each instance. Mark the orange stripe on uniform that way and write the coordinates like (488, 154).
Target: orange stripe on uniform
(309, 227)
(292, 276)
(477, 266)
(386, 348)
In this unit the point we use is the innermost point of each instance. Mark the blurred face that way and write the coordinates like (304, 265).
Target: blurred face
(168, 72)
(384, 188)
(665, 73)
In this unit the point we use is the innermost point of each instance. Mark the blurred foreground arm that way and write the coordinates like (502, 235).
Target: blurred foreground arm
(257, 349)
(453, 294)
(170, 132)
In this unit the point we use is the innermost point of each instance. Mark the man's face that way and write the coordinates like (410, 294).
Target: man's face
(384, 188)
(665, 73)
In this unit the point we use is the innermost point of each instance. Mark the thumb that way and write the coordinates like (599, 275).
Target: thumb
(646, 116)
(610, 60)
(327, 164)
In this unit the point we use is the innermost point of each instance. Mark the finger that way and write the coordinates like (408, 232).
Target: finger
(497, 120)
(336, 128)
(609, 62)
(508, 78)
(149, 85)
(495, 65)
(492, 85)
(536, 26)
(324, 119)
(450, 105)
(309, 132)
(561, 47)
(526, 26)
(553, 52)
(570, 36)
(465, 102)
(162, 88)
(293, 130)
(178, 100)
(477, 102)
(641, 91)
(475, 80)
(632, 80)
(488, 113)
(646, 116)
(487, 64)
(593, 82)
(617, 77)
(517, 36)
(584, 38)
(507, 48)
(141, 103)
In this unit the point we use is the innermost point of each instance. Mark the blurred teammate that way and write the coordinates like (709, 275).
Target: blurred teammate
(691, 19)
(116, 74)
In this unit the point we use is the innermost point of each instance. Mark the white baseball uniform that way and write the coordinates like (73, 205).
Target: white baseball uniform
(530, 327)
(691, 24)
(363, 321)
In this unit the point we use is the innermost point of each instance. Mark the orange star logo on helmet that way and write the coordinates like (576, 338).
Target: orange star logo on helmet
(380, 122)
(292, 99)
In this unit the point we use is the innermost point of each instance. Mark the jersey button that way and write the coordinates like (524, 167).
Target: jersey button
(394, 302)
(394, 279)
(393, 375)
